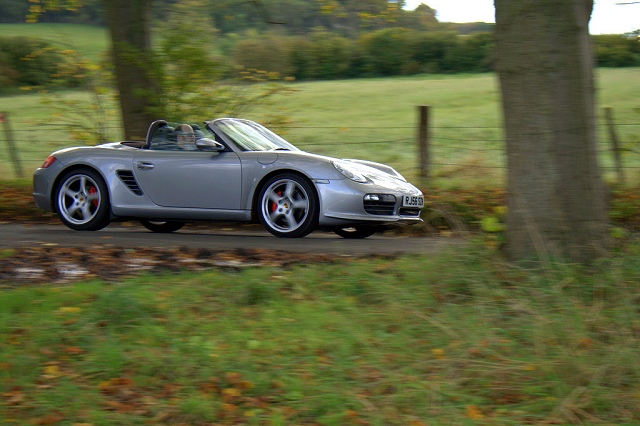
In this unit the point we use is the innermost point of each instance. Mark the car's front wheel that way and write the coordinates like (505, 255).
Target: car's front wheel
(356, 232)
(288, 206)
(161, 226)
(82, 200)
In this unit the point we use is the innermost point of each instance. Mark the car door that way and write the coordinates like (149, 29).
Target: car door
(190, 179)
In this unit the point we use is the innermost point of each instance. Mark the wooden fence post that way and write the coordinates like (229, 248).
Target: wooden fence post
(13, 154)
(615, 146)
(423, 141)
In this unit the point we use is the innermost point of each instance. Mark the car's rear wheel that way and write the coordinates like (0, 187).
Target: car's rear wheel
(356, 232)
(162, 226)
(82, 200)
(288, 206)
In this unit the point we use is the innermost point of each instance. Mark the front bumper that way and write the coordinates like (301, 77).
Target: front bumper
(342, 203)
(43, 181)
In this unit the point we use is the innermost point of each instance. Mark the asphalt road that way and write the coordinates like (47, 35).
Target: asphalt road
(219, 238)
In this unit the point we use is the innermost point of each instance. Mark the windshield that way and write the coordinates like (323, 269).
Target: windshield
(250, 136)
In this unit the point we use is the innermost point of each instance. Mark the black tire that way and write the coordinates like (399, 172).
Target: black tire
(288, 206)
(356, 232)
(82, 200)
(162, 227)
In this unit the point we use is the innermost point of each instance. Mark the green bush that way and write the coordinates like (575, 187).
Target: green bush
(267, 53)
(617, 51)
(34, 62)
(469, 54)
(321, 56)
(387, 51)
(324, 55)
(429, 49)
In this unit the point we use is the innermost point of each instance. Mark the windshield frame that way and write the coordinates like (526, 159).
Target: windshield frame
(248, 135)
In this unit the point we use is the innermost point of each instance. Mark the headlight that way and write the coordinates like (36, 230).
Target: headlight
(350, 172)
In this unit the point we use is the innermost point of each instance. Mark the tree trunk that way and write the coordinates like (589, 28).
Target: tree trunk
(556, 197)
(137, 75)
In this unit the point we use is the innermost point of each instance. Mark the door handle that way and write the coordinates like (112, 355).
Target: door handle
(145, 165)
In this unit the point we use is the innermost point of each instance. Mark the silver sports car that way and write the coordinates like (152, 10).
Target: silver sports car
(232, 170)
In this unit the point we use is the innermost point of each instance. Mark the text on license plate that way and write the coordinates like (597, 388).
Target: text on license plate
(412, 201)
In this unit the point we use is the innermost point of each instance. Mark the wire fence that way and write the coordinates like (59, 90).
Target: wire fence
(462, 151)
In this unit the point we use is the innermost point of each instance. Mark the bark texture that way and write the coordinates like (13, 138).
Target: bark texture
(556, 197)
(137, 76)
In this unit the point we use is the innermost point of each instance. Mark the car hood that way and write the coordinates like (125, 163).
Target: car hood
(377, 173)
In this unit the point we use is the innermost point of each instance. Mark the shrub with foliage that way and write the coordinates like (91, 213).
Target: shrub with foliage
(617, 51)
(326, 56)
(323, 55)
(193, 75)
(387, 51)
(265, 52)
(35, 62)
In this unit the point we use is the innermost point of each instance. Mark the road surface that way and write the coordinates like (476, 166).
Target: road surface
(215, 238)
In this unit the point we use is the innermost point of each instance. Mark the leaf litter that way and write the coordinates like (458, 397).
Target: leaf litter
(57, 264)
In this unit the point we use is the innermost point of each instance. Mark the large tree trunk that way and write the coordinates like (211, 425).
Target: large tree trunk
(137, 76)
(556, 197)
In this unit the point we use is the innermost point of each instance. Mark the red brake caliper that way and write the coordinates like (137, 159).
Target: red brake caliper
(274, 206)
(92, 191)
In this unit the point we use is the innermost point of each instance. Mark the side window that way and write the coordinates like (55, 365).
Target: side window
(181, 138)
(164, 139)
(186, 137)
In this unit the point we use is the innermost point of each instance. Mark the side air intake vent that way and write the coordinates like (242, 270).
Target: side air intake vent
(126, 176)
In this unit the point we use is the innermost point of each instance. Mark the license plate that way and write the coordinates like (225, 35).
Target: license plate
(412, 201)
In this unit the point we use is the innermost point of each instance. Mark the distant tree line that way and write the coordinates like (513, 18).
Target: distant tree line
(319, 55)
(301, 39)
(293, 17)
(323, 55)
(618, 51)
(16, 11)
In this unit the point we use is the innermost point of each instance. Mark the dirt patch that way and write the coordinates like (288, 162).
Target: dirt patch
(59, 265)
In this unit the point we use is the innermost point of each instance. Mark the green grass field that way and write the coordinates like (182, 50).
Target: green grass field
(373, 119)
(456, 338)
(89, 41)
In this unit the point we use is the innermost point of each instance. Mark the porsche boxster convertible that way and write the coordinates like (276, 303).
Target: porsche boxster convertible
(228, 170)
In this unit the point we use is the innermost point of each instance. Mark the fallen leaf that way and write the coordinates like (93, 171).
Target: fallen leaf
(51, 371)
(14, 398)
(230, 394)
(50, 419)
(74, 350)
(69, 310)
(229, 408)
(585, 343)
(438, 353)
(473, 412)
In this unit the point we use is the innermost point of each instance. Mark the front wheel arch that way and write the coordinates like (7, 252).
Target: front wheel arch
(255, 201)
(308, 224)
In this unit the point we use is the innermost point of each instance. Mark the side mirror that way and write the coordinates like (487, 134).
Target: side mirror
(206, 144)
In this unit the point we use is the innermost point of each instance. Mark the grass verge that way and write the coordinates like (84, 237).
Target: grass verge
(456, 338)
